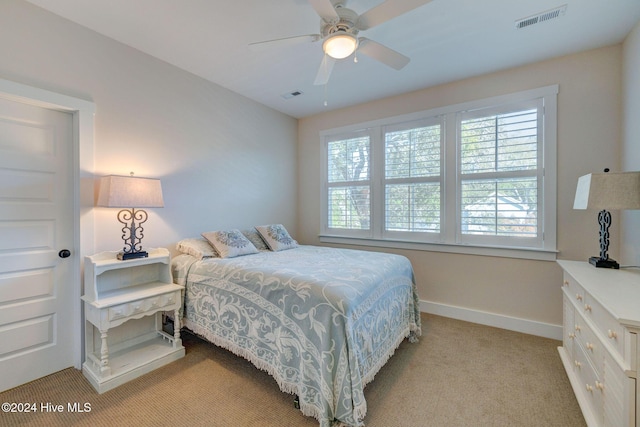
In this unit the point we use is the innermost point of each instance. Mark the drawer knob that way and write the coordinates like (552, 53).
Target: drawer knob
(587, 307)
(612, 334)
(589, 388)
(589, 346)
(572, 335)
(578, 364)
(579, 297)
(565, 283)
(599, 385)
(578, 328)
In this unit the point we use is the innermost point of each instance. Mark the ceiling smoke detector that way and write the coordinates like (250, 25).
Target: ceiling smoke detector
(541, 17)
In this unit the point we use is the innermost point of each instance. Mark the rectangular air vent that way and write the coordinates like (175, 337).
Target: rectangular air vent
(292, 94)
(541, 17)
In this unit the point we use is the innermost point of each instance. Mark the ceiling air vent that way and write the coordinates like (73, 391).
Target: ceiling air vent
(292, 94)
(541, 17)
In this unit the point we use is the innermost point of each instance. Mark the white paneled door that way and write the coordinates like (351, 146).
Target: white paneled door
(36, 228)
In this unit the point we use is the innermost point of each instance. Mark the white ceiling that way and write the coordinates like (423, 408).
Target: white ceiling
(447, 40)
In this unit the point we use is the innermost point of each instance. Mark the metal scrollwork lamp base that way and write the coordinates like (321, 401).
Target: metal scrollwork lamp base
(604, 219)
(132, 233)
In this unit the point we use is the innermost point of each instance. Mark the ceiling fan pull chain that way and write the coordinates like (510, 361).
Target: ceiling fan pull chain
(325, 94)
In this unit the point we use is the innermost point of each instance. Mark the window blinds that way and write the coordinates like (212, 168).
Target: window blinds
(499, 155)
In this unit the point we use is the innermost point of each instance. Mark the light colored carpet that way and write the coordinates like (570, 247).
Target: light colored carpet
(459, 374)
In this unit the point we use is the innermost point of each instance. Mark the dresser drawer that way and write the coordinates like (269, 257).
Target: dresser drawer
(611, 332)
(573, 289)
(589, 342)
(168, 300)
(589, 383)
(609, 329)
(119, 311)
(568, 320)
(154, 303)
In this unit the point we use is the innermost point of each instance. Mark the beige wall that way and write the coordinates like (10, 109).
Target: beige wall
(224, 161)
(589, 123)
(216, 171)
(630, 226)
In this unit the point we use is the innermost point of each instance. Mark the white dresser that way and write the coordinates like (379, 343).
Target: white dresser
(601, 350)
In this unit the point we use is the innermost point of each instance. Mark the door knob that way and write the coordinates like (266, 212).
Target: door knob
(65, 253)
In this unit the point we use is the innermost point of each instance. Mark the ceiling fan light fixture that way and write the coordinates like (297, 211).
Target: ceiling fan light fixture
(340, 45)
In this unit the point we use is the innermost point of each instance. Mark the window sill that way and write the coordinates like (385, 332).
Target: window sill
(520, 253)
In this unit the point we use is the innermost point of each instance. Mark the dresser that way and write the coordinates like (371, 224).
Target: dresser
(600, 347)
(123, 304)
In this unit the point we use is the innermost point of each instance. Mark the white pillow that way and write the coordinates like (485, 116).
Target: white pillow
(196, 247)
(230, 243)
(276, 237)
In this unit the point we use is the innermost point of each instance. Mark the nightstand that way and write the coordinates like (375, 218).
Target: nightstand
(116, 292)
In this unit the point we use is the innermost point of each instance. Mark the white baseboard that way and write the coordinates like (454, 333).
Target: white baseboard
(531, 327)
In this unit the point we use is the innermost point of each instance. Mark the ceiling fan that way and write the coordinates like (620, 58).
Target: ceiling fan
(339, 28)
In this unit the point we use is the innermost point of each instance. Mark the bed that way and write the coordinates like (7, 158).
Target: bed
(322, 321)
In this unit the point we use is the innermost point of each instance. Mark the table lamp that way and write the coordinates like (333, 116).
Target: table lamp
(604, 192)
(130, 193)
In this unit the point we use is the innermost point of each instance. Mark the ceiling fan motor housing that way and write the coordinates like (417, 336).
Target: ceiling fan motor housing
(346, 23)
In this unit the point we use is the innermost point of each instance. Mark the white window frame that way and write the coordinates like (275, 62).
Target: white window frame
(538, 174)
(449, 239)
(385, 234)
(355, 233)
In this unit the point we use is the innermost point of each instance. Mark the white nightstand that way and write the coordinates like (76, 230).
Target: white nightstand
(119, 291)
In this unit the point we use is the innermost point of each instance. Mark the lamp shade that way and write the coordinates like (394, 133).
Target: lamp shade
(130, 192)
(340, 45)
(610, 191)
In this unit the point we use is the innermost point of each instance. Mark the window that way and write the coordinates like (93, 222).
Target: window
(476, 175)
(349, 183)
(499, 175)
(412, 177)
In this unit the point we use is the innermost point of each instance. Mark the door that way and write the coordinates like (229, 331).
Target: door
(36, 225)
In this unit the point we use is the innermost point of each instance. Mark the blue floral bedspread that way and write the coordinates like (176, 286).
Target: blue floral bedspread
(321, 321)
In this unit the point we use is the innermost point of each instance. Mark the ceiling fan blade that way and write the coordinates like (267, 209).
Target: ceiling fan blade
(387, 11)
(285, 41)
(325, 9)
(324, 72)
(382, 53)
